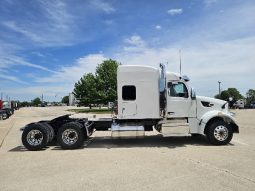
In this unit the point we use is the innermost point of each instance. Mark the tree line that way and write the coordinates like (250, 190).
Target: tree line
(38, 102)
(232, 95)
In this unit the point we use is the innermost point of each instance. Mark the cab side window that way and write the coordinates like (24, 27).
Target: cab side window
(129, 93)
(178, 90)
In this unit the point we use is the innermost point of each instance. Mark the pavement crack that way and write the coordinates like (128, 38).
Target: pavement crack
(12, 125)
(210, 166)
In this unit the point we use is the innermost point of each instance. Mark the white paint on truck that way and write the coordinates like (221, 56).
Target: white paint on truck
(138, 92)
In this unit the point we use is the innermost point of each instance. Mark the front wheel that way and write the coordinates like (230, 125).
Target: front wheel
(219, 133)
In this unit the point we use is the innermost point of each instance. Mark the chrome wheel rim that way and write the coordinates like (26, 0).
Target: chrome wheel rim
(70, 136)
(221, 133)
(35, 137)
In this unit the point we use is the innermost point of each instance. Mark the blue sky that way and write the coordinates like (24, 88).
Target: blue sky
(47, 45)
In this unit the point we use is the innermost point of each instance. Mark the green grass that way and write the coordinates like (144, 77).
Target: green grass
(102, 111)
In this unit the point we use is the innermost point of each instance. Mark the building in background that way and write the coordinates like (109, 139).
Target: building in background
(71, 99)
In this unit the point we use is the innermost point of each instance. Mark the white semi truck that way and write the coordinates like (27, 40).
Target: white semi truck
(147, 98)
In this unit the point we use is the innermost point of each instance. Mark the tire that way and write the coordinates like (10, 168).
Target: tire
(71, 135)
(35, 137)
(219, 133)
(50, 131)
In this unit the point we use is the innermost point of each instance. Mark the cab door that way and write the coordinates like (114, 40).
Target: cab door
(128, 105)
(179, 102)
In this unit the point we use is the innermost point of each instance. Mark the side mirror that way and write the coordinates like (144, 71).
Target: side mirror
(193, 93)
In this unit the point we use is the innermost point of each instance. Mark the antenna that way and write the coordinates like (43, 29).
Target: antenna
(219, 88)
(180, 62)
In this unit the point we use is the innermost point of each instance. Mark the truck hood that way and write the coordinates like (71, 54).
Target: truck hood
(216, 104)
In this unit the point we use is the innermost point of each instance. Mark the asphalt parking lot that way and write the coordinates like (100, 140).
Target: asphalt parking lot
(151, 163)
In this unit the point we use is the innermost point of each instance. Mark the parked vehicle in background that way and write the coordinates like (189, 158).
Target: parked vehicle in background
(252, 105)
(110, 105)
(7, 108)
(4, 112)
(240, 104)
(1, 111)
(3, 115)
(7, 105)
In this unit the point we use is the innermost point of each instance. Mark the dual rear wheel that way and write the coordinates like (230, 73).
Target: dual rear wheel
(38, 135)
(71, 135)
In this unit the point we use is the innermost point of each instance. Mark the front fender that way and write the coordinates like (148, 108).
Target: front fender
(214, 115)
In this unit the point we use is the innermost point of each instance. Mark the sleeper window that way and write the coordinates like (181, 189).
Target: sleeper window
(128, 93)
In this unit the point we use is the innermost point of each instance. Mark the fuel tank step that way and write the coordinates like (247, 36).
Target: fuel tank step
(118, 131)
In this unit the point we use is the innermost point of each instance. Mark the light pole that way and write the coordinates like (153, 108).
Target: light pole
(219, 87)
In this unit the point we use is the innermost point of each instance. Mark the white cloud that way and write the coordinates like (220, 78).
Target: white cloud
(71, 74)
(158, 27)
(209, 2)
(12, 25)
(8, 61)
(175, 11)
(11, 78)
(104, 6)
(39, 54)
(134, 40)
(134, 44)
(56, 12)
(55, 27)
(59, 83)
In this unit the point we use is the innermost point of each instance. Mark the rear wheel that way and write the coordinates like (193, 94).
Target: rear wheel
(50, 131)
(219, 133)
(71, 135)
(35, 137)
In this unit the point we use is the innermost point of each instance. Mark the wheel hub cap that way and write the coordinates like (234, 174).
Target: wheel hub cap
(35, 137)
(221, 133)
(69, 136)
